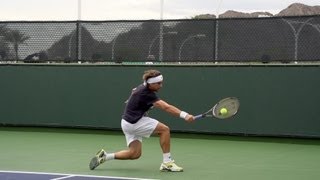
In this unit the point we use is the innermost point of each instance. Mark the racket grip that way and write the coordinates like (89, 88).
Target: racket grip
(198, 116)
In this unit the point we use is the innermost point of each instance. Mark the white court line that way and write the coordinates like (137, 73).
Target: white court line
(60, 174)
(65, 177)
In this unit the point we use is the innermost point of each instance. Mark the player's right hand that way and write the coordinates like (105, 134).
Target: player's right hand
(189, 118)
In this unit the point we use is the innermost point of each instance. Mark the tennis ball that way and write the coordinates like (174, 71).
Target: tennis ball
(223, 111)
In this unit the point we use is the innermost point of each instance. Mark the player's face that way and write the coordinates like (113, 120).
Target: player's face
(155, 86)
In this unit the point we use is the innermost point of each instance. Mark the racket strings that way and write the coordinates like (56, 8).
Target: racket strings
(231, 105)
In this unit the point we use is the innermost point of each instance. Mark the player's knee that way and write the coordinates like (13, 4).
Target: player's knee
(162, 129)
(135, 155)
(165, 128)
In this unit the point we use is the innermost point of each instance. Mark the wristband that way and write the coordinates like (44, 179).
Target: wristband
(183, 114)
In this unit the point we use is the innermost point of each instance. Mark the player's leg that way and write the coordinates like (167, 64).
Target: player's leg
(164, 133)
(133, 152)
(168, 163)
(134, 134)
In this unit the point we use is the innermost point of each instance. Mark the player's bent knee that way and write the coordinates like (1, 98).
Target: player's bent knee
(136, 155)
(164, 128)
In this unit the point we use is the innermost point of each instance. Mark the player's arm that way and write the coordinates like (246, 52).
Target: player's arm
(173, 110)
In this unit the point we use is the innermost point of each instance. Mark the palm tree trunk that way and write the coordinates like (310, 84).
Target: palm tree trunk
(16, 48)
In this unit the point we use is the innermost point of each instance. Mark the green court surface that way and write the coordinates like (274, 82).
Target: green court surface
(202, 156)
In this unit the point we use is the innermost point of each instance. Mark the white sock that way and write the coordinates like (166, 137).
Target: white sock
(110, 156)
(167, 157)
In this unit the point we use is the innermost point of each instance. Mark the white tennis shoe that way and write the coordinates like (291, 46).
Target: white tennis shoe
(98, 159)
(170, 166)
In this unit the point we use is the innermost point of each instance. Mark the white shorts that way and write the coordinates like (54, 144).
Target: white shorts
(143, 128)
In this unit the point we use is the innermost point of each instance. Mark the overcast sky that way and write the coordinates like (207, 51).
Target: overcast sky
(133, 9)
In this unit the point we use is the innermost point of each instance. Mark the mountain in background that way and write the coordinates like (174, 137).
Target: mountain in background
(295, 9)
(298, 9)
(232, 14)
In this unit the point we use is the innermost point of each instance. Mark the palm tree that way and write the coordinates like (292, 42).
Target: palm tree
(16, 38)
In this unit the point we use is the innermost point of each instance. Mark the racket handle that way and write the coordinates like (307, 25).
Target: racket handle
(198, 116)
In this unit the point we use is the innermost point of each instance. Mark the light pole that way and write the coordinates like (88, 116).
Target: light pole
(217, 31)
(296, 33)
(79, 9)
(188, 38)
(79, 30)
(161, 32)
(150, 56)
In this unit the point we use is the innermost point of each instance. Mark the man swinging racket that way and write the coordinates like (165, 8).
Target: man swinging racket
(136, 124)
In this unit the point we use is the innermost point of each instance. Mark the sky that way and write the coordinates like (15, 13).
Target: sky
(55, 10)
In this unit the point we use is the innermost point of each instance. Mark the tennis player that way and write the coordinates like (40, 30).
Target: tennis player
(136, 124)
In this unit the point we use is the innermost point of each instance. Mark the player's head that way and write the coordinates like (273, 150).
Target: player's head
(153, 79)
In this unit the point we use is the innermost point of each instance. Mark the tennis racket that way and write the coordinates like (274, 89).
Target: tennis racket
(231, 104)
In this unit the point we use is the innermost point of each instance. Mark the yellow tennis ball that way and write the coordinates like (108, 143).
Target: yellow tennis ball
(223, 111)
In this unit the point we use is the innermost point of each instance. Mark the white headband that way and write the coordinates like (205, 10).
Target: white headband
(155, 79)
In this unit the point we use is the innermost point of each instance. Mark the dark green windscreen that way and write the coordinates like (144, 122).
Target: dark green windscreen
(275, 100)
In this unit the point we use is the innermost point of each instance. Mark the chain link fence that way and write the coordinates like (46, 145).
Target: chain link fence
(195, 40)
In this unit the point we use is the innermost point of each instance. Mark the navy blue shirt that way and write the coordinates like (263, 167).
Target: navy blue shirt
(140, 101)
